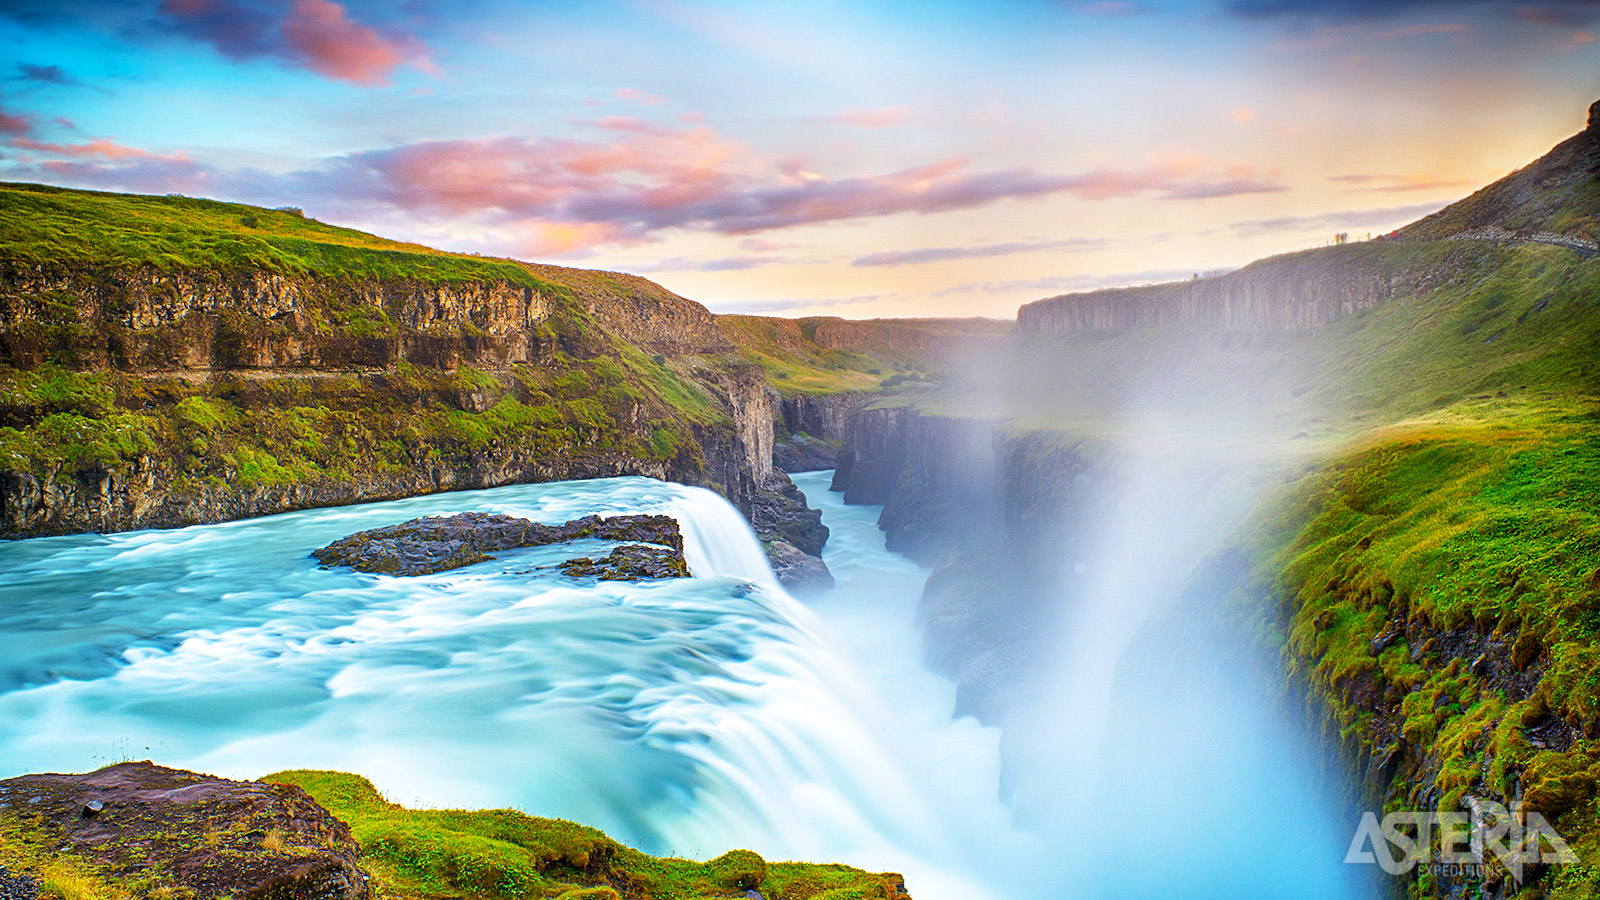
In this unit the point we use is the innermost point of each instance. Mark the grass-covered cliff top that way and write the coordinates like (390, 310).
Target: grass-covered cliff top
(1438, 586)
(41, 224)
(826, 355)
(505, 853)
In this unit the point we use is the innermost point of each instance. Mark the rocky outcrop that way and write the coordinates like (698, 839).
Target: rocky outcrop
(792, 534)
(780, 511)
(640, 311)
(989, 511)
(438, 543)
(630, 562)
(1553, 194)
(194, 835)
(797, 570)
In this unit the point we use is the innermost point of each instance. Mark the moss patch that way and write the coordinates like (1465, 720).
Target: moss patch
(506, 853)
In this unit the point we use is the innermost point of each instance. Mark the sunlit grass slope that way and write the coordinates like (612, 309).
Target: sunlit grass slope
(44, 224)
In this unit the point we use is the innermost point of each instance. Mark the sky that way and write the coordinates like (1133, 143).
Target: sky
(858, 159)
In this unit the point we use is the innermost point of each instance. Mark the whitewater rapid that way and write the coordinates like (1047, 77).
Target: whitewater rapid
(684, 716)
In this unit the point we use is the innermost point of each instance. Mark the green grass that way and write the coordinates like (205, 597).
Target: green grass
(1460, 528)
(506, 853)
(42, 225)
(257, 433)
(891, 353)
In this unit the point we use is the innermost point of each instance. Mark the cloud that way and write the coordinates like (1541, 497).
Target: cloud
(318, 35)
(98, 148)
(646, 177)
(724, 264)
(1563, 13)
(1425, 28)
(634, 95)
(1558, 15)
(791, 304)
(44, 74)
(1391, 184)
(1113, 9)
(883, 117)
(15, 124)
(1061, 284)
(633, 179)
(1388, 216)
(940, 254)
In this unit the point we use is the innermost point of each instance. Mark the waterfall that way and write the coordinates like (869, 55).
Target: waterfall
(686, 716)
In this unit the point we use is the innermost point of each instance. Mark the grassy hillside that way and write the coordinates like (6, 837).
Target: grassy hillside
(40, 224)
(1557, 193)
(825, 355)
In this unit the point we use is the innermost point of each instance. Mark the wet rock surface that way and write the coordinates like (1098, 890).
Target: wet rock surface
(791, 532)
(630, 562)
(206, 837)
(438, 543)
(779, 511)
(797, 570)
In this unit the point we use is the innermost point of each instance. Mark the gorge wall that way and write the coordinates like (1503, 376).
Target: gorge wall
(1293, 291)
(215, 394)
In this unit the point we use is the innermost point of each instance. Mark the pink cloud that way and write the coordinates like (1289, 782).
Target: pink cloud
(15, 124)
(1425, 29)
(1398, 183)
(630, 181)
(318, 35)
(643, 178)
(883, 117)
(337, 47)
(99, 147)
(633, 95)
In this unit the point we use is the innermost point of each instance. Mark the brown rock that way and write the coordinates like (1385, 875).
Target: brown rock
(214, 837)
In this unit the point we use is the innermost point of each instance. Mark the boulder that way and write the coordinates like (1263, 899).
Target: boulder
(437, 543)
(797, 570)
(630, 562)
(204, 837)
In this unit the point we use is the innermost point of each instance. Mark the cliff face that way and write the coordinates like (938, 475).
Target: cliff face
(641, 311)
(1295, 291)
(825, 416)
(144, 495)
(146, 319)
(215, 394)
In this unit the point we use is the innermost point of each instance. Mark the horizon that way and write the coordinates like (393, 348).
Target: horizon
(861, 161)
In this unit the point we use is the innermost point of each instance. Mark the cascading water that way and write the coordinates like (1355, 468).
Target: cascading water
(684, 716)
